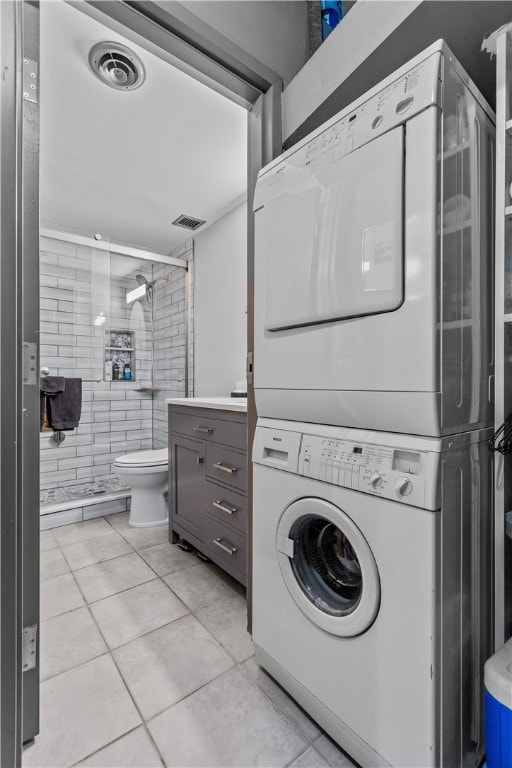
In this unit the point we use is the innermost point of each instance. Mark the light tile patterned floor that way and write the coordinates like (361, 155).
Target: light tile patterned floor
(146, 662)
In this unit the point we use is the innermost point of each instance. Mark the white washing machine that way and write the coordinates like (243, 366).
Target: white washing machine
(373, 261)
(372, 586)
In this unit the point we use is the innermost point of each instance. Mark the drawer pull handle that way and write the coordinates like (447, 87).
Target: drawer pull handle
(229, 470)
(229, 550)
(204, 430)
(229, 510)
(199, 459)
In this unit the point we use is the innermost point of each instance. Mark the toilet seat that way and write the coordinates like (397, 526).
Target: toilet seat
(157, 458)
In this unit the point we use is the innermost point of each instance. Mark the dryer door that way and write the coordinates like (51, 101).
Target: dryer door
(328, 567)
(330, 239)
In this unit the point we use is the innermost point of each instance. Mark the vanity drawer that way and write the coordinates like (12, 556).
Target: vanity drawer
(226, 466)
(226, 505)
(212, 430)
(225, 544)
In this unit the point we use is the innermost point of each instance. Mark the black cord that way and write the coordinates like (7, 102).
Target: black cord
(501, 441)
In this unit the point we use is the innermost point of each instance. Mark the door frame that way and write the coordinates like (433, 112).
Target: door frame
(19, 386)
(177, 36)
(181, 38)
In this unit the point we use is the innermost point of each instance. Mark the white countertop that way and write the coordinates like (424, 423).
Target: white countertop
(221, 403)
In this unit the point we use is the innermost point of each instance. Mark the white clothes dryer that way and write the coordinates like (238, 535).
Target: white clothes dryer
(372, 587)
(373, 261)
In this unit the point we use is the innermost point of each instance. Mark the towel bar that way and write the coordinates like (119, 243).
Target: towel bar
(46, 372)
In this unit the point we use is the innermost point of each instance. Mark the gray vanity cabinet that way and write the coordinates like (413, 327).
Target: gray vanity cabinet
(207, 484)
(187, 493)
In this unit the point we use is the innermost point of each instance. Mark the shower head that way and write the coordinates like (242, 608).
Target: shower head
(145, 289)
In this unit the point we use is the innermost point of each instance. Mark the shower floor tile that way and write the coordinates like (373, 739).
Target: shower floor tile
(73, 492)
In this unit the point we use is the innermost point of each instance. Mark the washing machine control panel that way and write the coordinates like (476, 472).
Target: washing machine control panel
(390, 472)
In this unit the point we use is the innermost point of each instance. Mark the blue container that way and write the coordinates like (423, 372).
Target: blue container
(331, 14)
(498, 708)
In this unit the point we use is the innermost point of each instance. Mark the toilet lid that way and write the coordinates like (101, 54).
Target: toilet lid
(143, 459)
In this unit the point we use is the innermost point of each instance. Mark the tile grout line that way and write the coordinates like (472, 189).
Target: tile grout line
(301, 755)
(236, 664)
(82, 567)
(144, 634)
(111, 650)
(96, 751)
(287, 717)
(224, 648)
(190, 613)
(110, 653)
(189, 694)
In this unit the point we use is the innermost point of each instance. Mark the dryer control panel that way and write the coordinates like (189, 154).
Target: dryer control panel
(397, 102)
(393, 473)
(392, 103)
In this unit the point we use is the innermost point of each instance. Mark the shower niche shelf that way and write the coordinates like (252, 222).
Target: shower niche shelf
(119, 351)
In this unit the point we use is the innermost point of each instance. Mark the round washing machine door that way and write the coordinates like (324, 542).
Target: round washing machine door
(328, 567)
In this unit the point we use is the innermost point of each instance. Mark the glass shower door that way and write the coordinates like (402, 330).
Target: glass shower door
(67, 350)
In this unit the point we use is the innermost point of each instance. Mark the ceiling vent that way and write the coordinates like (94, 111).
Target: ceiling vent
(188, 222)
(117, 66)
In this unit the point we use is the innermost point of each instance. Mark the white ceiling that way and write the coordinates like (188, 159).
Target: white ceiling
(126, 163)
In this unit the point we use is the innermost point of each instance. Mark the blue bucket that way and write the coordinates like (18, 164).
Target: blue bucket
(498, 708)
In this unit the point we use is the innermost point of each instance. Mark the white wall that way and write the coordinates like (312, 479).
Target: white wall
(367, 25)
(220, 302)
(274, 32)
(376, 38)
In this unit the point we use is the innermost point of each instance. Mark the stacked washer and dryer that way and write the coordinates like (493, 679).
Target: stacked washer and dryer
(373, 373)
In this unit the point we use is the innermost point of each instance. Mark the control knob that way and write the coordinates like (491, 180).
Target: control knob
(403, 486)
(375, 479)
(404, 105)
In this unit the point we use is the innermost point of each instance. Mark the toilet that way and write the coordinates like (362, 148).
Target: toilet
(145, 473)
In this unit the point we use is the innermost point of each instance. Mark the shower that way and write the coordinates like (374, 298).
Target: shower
(141, 280)
(146, 290)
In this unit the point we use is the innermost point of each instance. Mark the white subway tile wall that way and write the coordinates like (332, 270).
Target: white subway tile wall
(79, 285)
(170, 339)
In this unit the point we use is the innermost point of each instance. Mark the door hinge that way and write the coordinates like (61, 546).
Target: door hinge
(29, 647)
(249, 368)
(29, 363)
(30, 83)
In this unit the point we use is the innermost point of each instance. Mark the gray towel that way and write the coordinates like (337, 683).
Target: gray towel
(52, 385)
(64, 409)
